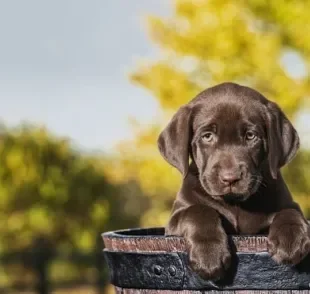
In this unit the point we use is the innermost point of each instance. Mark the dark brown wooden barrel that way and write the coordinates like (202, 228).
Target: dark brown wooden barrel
(146, 261)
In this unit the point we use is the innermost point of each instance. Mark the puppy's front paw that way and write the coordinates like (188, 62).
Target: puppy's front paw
(209, 259)
(289, 244)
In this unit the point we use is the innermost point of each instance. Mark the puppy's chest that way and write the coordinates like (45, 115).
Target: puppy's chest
(239, 221)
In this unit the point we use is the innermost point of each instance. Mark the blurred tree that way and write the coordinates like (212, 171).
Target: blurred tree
(209, 42)
(51, 192)
(49, 189)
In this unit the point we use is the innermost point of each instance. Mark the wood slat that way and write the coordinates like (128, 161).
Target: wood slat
(118, 241)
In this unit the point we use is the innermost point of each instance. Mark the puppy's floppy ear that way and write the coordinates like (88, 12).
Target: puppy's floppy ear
(283, 139)
(174, 140)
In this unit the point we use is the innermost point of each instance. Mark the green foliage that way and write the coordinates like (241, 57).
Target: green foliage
(49, 189)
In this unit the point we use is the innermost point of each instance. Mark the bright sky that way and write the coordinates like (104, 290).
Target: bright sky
(64, 64)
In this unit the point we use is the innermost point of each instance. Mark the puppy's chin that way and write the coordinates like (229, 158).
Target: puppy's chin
(232, 198)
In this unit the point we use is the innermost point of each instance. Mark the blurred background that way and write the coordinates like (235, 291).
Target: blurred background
(86, 87)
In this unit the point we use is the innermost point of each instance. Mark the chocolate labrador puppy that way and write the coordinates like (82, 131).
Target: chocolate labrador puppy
(229, 143)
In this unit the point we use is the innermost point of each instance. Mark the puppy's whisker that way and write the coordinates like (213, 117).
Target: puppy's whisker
(259, 180)
(262, 183)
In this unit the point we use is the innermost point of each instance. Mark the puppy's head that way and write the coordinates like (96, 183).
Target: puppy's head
(230, 132)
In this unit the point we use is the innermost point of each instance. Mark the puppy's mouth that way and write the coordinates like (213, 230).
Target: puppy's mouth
(234, 193)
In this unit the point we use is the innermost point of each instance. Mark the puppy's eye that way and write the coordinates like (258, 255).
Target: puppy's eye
(249, 136)
(207, 137)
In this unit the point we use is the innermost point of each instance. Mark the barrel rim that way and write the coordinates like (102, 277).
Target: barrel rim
(123, 233)
(153, 239)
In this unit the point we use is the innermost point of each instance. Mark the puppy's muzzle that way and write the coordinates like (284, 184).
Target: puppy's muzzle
(230, 177)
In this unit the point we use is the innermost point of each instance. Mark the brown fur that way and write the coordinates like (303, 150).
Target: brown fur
(237, 141)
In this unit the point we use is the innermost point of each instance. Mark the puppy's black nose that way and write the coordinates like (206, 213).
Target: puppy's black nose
(229, 177)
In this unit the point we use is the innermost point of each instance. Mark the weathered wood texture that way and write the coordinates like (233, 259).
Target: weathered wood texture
(157, 242)
(144, 243)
